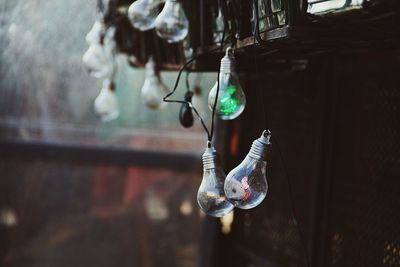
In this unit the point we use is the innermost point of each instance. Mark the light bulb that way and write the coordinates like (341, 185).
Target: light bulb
(99, 58)
(172, 24)
(94, 35)
(211, 197)
(246, 185)
(218, 31)
(185, 113)
(153, 90)
(106, 103)
(231, 98)
(143, 14)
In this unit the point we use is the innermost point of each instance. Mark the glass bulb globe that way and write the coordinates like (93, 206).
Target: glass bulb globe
(97, 62)
(218, 27)
(172, 24)
(231, 98)
(246, 185)
(153, 90)
(211, 197)
(143, 14)
(99, 58)
(106, 103)
(94, 35)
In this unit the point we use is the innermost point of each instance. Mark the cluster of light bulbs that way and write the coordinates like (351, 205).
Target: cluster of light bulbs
(171, 24)
(100, 62)
(245, 186)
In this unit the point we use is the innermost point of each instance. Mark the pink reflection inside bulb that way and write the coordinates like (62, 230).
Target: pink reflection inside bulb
(246, 187)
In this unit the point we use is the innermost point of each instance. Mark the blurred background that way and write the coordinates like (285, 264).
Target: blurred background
(73, 194)
(79, 191)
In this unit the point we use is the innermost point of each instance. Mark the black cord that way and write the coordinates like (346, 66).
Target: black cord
(184, 67)
(187, 81)
(216, 95)
(286, 173)
(165, 99)
(290, 189)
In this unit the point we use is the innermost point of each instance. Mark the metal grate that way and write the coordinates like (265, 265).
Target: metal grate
(391, 254)
(339, 131)
(271, 13)
(363, 222)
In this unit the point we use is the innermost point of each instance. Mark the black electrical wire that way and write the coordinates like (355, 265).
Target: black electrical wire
(290, 189)
(216, 95)
(184, 67)
(165, 99)
(286, 173)
(187, 81)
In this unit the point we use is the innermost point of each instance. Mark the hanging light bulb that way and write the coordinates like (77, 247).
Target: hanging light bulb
(106, 103)
(95, 33)
(99, 58)
(218, 26)
(185, 113)
(97, 62)
(153, 89)
(172, 24)
(143, 14)
(246, 185)
(231, 98)
(211, 197)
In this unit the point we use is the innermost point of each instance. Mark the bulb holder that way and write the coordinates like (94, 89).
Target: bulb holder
(151, 67)
(210, 158)
(259, 147)
(228, 62)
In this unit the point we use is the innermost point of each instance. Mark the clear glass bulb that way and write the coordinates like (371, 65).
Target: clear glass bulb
(211, 197)
(106, 103)
(218, 27)
(246, 185)
(94, 35)
(99, 58)
(153, 90)
(172, 24)
(231, 98)
(143, 14)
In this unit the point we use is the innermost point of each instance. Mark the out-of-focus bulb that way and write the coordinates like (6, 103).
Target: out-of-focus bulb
(172, 24)
(185, 113)
(95, 33)
(246, 185)
(143, 14)
(231, 98)
(106, 103)
(218, 31)
(8, 218)
(99, 58)
(153, 90)
(226, 223)
(211, 196)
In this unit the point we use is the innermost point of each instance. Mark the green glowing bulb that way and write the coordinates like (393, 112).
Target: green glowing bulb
(231, 99)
